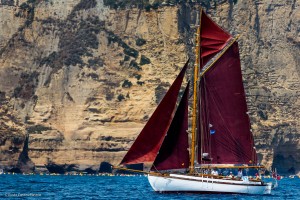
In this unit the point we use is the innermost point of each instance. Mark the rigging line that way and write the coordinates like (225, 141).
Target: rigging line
(237, 148)
(230, 133)
(155, 168)
(199, 125)
(226, 146)
(214, 101)
(198, 129)
(204, 120)
(253, 152)
(202, 90)
(207, 118)
(226, 143)
(228, 139)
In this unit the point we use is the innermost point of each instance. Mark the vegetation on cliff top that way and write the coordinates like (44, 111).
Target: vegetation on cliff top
(148, 5)
(142, 4)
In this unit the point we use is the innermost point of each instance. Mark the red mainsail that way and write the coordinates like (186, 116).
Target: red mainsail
(174, 153)
(148, 143)
(212, 38)
(224, 120)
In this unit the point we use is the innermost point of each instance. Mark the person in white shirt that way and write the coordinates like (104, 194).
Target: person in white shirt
(214, 172)
(240, 173)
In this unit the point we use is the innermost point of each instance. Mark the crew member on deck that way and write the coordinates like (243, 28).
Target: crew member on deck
(240, 173)
(257, 176)
(214, 172)
(230, 175)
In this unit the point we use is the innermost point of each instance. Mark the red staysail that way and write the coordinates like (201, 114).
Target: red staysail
(224, 119)
(174, 153)
(148, 143)
(213, 38)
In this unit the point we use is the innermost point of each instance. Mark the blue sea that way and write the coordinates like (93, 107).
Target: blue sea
(115, 187)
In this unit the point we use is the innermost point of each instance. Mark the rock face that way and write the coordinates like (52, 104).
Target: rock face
(81, 77)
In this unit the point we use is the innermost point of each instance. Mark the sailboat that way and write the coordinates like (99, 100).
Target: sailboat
(220, 131)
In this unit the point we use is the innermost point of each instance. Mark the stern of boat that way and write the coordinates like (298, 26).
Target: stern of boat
(268, 188)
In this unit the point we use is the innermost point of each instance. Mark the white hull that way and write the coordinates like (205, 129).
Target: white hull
(187, 183)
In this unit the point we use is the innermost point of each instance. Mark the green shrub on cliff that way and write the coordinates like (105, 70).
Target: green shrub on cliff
(144, 60)
(121, 97)
(135, 65)
(37, 129)
(126, 84)
(131, 52)
(140, 42)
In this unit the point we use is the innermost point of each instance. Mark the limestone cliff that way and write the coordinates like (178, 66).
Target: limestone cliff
(82, 77)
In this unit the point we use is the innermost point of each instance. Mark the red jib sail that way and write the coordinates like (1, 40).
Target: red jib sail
(148, 143)
(224, 120)
(174, 153)
(213, 38)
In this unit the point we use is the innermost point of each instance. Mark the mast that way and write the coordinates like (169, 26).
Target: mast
(195, 94)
